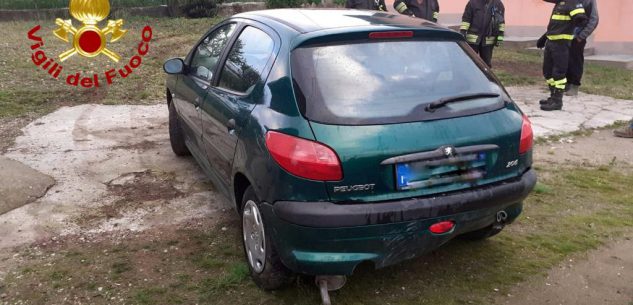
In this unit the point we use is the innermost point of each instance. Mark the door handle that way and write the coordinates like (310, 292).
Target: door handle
(230, 125)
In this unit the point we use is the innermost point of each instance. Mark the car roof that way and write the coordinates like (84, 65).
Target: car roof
(311, 20)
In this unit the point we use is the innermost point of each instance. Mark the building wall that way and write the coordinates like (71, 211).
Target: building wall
(529, 18)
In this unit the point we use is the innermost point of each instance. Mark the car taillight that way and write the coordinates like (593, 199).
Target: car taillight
(304, 158)
(391, 34)
(527, 136)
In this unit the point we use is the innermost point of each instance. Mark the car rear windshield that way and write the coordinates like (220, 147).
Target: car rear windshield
(383, 82)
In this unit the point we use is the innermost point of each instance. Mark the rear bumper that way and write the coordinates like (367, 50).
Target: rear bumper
(330, 215)
(328, 239)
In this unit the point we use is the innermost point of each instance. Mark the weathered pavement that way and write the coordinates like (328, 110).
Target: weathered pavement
(114, 170)
(583, 111)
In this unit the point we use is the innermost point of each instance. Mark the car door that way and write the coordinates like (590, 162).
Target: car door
(227, 105)
(193, 85)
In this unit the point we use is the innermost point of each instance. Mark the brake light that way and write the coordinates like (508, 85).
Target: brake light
(527, 136)
(442, 227)
(304, 158)
(391, 34)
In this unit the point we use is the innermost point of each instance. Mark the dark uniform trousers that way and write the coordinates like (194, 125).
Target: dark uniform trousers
(576, 62)
(484, 51)
(556, 62)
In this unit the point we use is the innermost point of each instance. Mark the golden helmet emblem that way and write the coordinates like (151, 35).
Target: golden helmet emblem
(89, 11)
(89, 40)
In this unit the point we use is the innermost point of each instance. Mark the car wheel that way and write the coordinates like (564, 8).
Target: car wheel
(480, 234)
(265, 266)
(176, 137)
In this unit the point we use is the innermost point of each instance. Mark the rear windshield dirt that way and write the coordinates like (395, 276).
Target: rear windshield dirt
(385, 82)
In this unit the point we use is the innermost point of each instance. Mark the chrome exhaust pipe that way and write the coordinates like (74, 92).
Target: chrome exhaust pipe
(329, 283)
(500, 223)
(502, 216)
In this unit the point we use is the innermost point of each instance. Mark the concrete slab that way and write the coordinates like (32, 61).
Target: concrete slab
(20, 184)
(519, 42)
(582, 111)
(115, 171)
(617, 60)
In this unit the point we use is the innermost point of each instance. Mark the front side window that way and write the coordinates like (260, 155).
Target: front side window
(207, 54)
(378, 82)
(247, 60)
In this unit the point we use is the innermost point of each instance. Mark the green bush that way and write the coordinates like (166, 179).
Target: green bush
(193, 8)
(284, 3)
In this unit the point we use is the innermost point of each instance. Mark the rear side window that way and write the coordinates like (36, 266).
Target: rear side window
(385, 81)
(246, 61)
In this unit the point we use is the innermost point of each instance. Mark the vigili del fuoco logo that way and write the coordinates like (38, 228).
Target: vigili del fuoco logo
(88, 40)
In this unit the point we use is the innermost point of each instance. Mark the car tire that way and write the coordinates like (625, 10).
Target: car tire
(481, 234)
(176, 136)
(265, 266)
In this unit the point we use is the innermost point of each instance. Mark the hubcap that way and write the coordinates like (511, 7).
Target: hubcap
(254, 238)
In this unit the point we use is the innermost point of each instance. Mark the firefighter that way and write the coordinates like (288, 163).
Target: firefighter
(483, 26)
(425, 9)
(577, 51)
(376, 5)
(566, 16)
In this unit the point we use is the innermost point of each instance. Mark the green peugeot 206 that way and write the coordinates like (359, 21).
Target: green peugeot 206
(347, 137)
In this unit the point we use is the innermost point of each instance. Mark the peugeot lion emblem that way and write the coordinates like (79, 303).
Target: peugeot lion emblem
(449, 151)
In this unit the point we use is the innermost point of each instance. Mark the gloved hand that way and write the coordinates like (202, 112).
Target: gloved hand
(541, 42)
(499, 41)
(409, 13)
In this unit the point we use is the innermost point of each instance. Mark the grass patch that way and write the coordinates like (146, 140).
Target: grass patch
(523, 68)
(26, 90)
(44, 4)
(571, 211)
(541, 188)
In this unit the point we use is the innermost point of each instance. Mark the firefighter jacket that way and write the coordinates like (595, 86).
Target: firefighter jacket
(483, 22)
(377, 5)
(425, 9)
(566, 16)
(591, 10)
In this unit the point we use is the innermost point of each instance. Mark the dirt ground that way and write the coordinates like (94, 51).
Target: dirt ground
(604, 276)
(10, 128)
(599, 149)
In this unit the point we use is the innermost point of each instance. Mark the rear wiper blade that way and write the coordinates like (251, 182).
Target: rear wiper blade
(464, 97)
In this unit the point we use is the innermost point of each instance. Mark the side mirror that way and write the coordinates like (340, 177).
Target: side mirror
(174, 66)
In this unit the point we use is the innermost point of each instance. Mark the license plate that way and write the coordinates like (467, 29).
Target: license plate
(429, 173)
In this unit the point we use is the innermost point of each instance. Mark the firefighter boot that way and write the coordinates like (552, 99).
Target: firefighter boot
(555, 101)
(546, 100)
